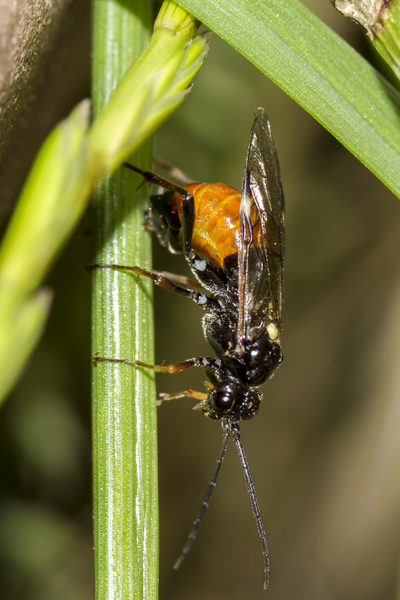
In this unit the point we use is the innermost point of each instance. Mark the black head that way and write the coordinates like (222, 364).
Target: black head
(230, 399)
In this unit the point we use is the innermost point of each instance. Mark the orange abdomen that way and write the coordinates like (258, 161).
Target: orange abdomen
(217, 224)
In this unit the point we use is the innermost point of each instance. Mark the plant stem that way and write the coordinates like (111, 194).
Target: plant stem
(124, 412)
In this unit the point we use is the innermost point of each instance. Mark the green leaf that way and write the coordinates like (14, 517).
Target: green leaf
(53, 198)
(318, 70)
(73, 158)
(150, 91)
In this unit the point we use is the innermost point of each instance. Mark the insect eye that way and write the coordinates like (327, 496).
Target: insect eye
(222, 399)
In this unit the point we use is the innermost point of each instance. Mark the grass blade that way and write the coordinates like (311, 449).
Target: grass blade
(318, 70)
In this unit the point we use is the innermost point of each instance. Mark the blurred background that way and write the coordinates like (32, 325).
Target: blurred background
(324, 449)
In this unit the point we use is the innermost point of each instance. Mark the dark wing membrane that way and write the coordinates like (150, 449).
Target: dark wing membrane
(262, 237)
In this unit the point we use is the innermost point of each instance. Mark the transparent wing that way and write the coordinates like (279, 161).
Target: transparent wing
(262, 237)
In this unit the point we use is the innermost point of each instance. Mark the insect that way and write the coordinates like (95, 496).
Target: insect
(234, 244)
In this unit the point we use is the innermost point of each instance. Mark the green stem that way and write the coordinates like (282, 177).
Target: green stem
(124, 413)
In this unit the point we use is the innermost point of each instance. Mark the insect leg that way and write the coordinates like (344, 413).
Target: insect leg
(172, 171)
(151, 177)
(186, 394)
(182, 280)
(206, 500)
(167, 284)
(234, 427)
(170, 369)
(188, 217)
(202, 361)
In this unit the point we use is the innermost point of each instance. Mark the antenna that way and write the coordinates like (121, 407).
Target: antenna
(206, 500)
(234, 428)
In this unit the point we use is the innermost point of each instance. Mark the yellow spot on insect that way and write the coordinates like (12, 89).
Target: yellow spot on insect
(272, 331)
(245, 205)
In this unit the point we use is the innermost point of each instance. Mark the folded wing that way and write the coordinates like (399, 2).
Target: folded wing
(262, 237)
